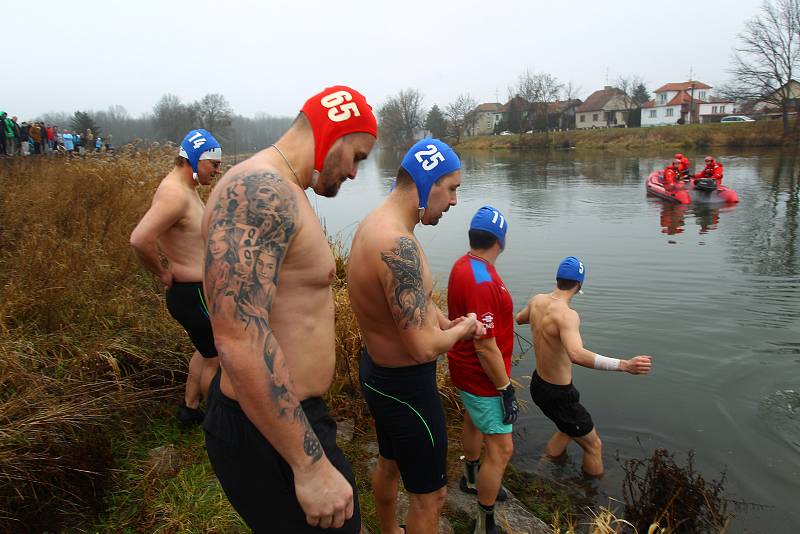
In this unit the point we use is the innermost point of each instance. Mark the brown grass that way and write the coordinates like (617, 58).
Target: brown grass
(85, 342)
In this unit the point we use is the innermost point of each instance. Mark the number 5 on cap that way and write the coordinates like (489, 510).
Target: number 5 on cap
(433, 152)
(338, 111)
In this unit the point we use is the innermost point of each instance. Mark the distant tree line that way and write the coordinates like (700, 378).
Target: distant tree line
(171, 118)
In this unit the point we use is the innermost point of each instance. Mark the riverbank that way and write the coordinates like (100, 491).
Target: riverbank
(93, 367)
(694, 136)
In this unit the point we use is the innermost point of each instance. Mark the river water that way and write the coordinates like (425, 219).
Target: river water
(710, 292)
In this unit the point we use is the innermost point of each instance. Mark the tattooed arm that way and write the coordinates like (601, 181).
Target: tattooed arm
(251, 225)
(418, 320)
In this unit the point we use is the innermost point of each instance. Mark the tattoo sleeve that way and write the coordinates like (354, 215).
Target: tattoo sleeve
(249, 232)
(408, 302)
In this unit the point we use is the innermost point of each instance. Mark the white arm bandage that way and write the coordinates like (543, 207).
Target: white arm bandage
(605, 364)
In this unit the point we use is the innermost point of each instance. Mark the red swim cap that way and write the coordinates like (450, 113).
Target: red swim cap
(334, 113)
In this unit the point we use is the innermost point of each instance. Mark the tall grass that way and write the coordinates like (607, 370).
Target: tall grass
(85, 342)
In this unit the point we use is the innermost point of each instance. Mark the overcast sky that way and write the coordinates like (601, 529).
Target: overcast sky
(268, 56)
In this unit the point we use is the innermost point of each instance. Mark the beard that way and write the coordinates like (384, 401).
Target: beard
(328, 182)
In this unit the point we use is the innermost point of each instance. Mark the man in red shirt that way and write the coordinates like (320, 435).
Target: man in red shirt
(481, 368)
(712, 169)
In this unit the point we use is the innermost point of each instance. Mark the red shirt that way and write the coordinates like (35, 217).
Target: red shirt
(475, 287)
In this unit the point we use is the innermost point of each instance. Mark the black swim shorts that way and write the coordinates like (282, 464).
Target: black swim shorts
(561, 404)
(187, 305)
(409, 421)
(257, 480)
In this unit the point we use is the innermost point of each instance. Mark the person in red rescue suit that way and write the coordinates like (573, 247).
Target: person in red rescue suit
(683, 168)
(713, 169)
(672, 175)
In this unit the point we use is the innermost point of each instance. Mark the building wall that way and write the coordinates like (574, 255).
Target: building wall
(486, 122)
(705, 111)
(660, 115)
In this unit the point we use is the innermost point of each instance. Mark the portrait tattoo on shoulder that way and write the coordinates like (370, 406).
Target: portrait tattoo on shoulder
(250, 227)
(409, 304)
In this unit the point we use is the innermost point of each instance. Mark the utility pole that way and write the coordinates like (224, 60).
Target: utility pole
(691, 102)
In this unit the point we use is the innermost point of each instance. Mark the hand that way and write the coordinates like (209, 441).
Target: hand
(638, 365)
(324, 494)
(510, 406)
(166, 278)
(480, 330)
(455, 322)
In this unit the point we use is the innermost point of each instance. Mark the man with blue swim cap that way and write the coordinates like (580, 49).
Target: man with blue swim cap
(557, 343)
(481, 368)
(200, 146)
(404, 331)
(172, 227)
(425, 163)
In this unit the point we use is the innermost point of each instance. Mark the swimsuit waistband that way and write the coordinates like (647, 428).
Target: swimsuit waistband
(559, 386)
(408, 371)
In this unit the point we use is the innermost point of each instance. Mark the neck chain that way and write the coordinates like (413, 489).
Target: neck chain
(554, 298)
(287, 164)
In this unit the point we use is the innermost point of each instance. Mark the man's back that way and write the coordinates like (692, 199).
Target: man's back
(181, 242)
(548, 316)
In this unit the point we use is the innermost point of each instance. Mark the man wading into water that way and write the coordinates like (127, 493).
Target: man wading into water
(557, 344)
(268, 275)
(390, 290)
(172, 224)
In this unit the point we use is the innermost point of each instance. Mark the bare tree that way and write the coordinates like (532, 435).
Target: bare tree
(400, 117)
(461, 116)
(173, 118)
(768, 57)
(215, 114)
(628, 85)
(539, 90)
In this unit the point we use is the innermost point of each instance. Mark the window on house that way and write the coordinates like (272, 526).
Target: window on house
(652, 114)
(702, 95)
(713, 110)
(594, 117)
(583, 118)
(662, 98)
(722, 109)
(669, 112)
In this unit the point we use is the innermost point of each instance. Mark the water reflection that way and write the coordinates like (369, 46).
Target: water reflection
(707, 217)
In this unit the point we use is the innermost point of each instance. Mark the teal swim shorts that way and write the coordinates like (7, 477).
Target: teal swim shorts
(486, 413)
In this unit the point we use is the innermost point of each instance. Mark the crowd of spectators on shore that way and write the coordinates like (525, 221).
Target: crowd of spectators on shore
(39, 137)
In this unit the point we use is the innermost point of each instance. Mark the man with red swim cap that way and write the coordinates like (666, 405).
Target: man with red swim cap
(269, 437)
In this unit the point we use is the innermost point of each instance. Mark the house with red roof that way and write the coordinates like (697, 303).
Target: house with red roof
(608, 107)
(684, 103)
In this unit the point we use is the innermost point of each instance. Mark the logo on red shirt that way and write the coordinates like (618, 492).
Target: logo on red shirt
(488, 320)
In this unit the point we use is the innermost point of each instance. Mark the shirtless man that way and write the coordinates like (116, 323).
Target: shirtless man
(557, 343)
(172, 225)
(390, 288)
(268, 273)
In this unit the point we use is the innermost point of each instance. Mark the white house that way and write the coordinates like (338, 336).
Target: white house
(714, 109)
(676, 103)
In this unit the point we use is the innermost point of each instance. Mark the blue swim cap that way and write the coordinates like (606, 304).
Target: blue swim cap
(490, 220)
(426, 162)
(571, 269)
(197, 145)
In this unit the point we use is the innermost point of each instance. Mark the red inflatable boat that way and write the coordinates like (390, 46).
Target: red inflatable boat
(700, 191)
(655, 187)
